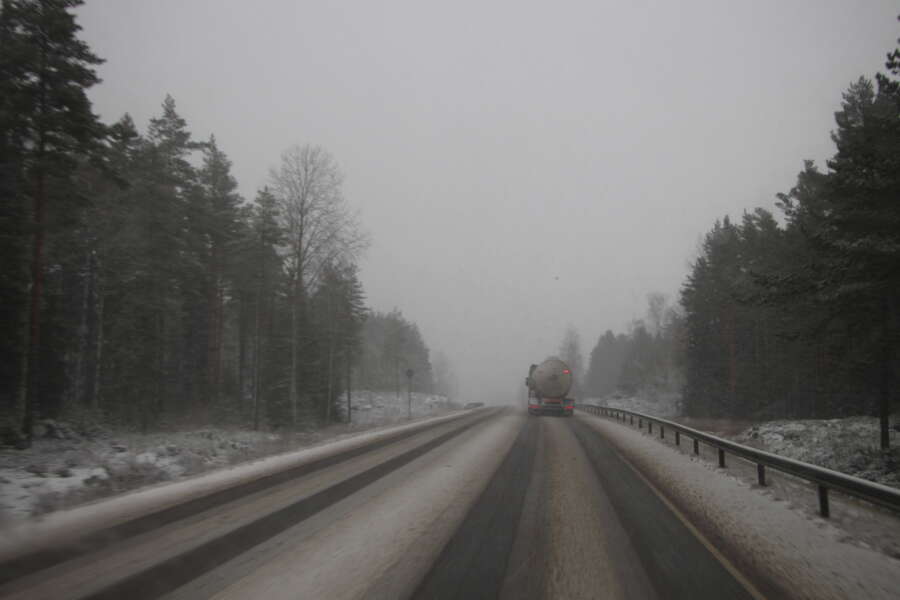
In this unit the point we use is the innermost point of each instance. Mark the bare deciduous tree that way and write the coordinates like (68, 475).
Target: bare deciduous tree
(320, 229)
(570, 353)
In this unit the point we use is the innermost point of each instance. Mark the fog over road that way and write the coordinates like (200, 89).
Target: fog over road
(494, 504)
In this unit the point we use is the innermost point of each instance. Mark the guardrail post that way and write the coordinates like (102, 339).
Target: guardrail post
(696, 446)
(823, 501)
(662, 432)
(677, 438)
(631, 419)
(649, 426)
(640, 423)
(721, 458)
(761, 473)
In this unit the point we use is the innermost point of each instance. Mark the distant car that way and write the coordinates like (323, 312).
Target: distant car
(473, 405)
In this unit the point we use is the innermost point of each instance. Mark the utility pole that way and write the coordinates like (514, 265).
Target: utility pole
(409, 376)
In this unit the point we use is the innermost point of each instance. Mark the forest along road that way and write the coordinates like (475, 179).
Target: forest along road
(502, 506)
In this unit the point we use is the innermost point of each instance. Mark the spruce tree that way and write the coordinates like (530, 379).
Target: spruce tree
(168, 270)
(214, 234)
(861, 230)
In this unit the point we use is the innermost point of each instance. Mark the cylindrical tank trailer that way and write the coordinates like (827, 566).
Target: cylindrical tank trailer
(548, 383)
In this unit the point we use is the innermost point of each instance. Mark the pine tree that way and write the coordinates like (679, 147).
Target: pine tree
(13, 244)
(47, 125)
(859, 234)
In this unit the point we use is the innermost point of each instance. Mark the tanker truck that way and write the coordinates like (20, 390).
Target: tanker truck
(548, 383)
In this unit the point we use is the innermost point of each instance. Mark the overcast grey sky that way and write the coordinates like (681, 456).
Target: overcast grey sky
(519, 165)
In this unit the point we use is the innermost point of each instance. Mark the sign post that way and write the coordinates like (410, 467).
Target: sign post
(409, 376)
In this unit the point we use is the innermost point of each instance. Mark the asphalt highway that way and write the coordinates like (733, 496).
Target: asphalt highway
(566, 517)
(501, 505)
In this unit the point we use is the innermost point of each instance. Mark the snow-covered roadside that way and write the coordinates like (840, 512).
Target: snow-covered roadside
(386, 536)
(663, 404)
(372, 407)
(65, 526)
(65, 468)
(848, 445)
(803, 556)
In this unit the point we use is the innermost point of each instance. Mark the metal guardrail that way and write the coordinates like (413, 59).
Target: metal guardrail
(824, 479)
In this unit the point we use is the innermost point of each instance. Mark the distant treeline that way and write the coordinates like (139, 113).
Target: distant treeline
(796, 316)
(140, 288)
(391, 346)
(648, 359)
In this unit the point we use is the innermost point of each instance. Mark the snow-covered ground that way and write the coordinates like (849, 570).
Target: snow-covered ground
(658, 403)
(849, 445)
(373, 408)
(65, 467)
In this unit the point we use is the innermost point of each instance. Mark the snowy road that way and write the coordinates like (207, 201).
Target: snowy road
(564, 517)
(493, 505)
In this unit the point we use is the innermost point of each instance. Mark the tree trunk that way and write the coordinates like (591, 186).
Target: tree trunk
(347, 366)
(32, 396)
(732, 362)
(292, 392)
(159, 381)
(887, 367)
(94, 399)
(257, 346)
(242, 350)
(330, 397)
(214, 337)
(39, 203)
(80, 370)
(397, 376)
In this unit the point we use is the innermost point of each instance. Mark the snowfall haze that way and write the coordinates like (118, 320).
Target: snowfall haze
(519, 166)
